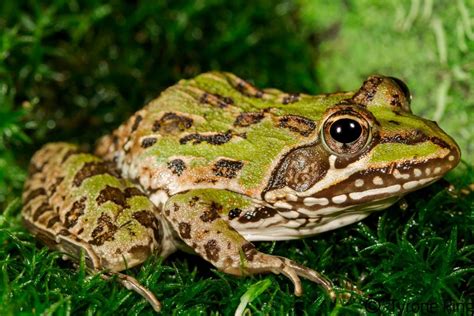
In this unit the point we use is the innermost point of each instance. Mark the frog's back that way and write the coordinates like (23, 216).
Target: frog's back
(214, 131)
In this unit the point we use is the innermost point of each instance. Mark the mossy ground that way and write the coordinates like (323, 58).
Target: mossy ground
(73, 70)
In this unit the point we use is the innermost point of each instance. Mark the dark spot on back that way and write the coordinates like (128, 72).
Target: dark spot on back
(177, 166)
(69, 153)
(53, 220)
(297, 124)
(149, 141)
(34, 194)
(212, 250)
(104, 231)
(213, 139)
(53, 187)
(184, 230)
(112, 194)
(135, 125)
(227, 168)
(93, 168)
(43, 208)
(171, 123)
(149, 220)
(216, 100)
(248, 118)
(76, 211)
(132, 191)
(248, 90)
(394, 122)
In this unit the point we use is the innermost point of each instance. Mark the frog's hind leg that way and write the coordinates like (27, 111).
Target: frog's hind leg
(198, 217)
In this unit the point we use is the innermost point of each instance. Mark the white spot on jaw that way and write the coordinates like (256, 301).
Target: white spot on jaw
(359, 195)
(359, 182)
(398, 175)
(310, 201)
(437, 170)
(338, 199)
(410, 185)
(377, 180)
(417, 172)
(281, 204)
(451, 158)
(428, 171)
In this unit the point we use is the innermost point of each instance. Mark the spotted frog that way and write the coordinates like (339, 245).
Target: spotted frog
(214, 163)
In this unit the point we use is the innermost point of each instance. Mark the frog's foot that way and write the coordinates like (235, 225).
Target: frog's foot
(198, 217)
(130, 283)
(258, 262)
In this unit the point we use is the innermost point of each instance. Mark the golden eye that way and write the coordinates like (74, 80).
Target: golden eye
(346, 132)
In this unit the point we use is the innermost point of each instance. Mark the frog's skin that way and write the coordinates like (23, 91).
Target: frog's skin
(214, 163)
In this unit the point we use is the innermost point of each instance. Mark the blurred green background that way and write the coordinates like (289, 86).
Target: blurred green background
(74, 70)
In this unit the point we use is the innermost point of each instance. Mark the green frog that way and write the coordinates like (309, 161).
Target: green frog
(215, 163)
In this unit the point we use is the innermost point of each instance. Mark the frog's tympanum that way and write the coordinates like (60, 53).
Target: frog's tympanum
(215, 163)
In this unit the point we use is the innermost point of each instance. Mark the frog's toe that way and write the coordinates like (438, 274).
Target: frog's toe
(311, 275)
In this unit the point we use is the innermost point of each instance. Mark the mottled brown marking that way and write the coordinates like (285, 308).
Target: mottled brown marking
(148, 141)
(212, 250)
(69, 153)
(297, 124)
(76, 211)
(132, 191)
(184, 230)
(227, 168)
(54, 186)
(213, 139)
(212, 213)
(53, 220)
(248, 90)
(93, 168)
(172, 123)
(177, 166)
(395, 101)
(104, 231)
(248, 118)
(34, 194)
(216, 100)
(291, 98)
(249, 251)
(33, 169)
(43, 208)
(148, 220)
(112, 194)
(234, 213)
(193, 201)
(135, 125)
(368, 90)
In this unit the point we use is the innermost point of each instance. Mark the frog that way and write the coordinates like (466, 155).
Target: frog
(214, 164)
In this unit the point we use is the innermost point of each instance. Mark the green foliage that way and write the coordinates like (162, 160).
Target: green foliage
(73, 70)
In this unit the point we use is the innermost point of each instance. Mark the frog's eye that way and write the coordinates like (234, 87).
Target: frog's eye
(404, 88)
(345, 133)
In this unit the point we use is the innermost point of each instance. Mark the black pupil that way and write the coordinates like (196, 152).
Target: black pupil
(345, 131)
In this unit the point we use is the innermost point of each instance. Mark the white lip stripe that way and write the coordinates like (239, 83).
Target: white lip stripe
(360, 195)
(310, 201)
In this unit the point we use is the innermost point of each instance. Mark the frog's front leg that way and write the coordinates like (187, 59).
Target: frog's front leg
(198, 217)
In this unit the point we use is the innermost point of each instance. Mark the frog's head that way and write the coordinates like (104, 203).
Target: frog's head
(371, 150)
